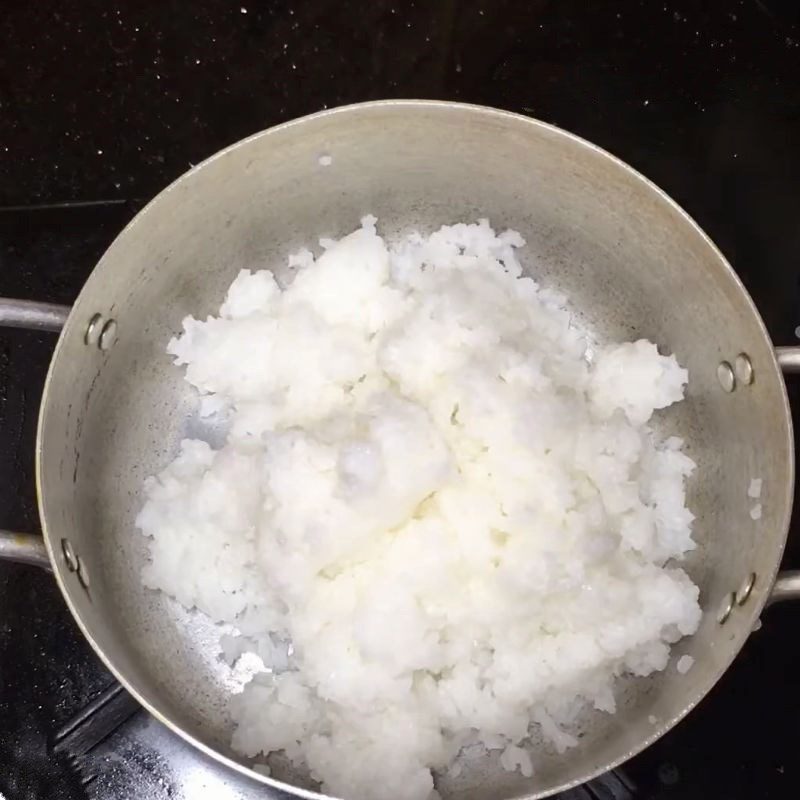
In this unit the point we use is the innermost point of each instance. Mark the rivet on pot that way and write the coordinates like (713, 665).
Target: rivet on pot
(83, 573)
(93, 329)
(744, 369)
(743, 592)
(70, 558)
(108, 335)
(726, 377)
(726, 608)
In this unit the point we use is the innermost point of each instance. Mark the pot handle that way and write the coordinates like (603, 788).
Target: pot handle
(32, 315)
(26, 548)
(788, 359)
(787, 584)
(786, 587)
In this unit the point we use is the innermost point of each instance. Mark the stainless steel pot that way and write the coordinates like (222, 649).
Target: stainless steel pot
(628, 257)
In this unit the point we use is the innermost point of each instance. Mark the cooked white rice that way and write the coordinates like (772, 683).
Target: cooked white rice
(433, 518)
(684, 664)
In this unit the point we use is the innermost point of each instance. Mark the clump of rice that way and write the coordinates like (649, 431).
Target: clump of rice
(754, 492)
(754, 488)
(684, 664)
(435, 519)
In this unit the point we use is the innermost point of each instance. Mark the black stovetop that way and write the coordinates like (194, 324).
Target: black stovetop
(102, 104)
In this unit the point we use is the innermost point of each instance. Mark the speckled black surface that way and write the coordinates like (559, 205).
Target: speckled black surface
(106, 102)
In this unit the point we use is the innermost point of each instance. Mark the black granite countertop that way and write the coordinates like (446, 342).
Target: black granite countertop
(103, 103)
